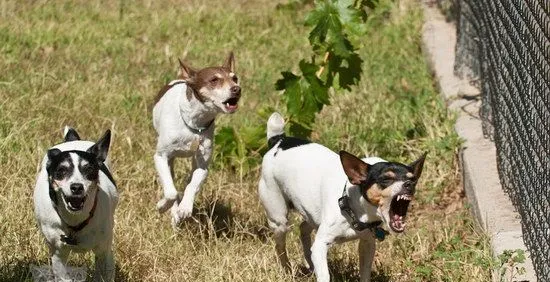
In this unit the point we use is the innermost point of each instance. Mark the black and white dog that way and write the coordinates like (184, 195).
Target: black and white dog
(74, 202)
(184, 118)
(343, 197)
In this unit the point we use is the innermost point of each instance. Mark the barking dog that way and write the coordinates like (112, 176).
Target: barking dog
(343, 197)
(183, 117)
(74, 202)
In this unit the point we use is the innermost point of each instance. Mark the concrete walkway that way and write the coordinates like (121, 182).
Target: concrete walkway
(490, 205)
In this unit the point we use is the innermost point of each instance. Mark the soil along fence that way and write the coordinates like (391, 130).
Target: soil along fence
(504, 47)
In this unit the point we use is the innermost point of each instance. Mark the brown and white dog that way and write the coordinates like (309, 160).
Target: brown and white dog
(183, 117)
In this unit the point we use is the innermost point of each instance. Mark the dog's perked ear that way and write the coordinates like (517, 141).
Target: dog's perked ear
(101, 148)
(354, 167)
(230, 62)
(70, 134)
(186, 71)
(418, 165)
(52, 154)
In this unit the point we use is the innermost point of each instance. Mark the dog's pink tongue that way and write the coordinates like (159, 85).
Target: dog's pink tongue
(231, 108)
(398, 222)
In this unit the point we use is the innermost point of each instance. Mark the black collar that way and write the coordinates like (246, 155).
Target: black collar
(357, 225)
(70, 239)
(198, 130)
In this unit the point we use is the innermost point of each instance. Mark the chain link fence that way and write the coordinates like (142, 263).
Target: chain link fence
(504, 47)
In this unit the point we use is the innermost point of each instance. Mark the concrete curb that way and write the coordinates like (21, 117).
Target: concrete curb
(490, 205)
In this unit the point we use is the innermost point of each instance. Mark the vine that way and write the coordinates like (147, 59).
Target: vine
(334, 65)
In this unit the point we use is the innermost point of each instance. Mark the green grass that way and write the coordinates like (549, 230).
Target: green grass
(94, 65)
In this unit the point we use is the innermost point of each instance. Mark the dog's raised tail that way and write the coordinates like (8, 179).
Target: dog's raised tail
(275, 125)
(275, 129)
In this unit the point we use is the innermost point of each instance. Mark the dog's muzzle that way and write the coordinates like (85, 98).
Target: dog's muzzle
(74, 203)
(398, 211)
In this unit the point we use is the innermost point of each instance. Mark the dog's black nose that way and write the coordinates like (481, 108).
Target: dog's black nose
(236, 90)
(77, 188)
(409, 186)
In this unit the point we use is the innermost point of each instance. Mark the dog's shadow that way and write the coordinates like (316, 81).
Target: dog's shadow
(20, 270)
(343, 270)
(216, 218)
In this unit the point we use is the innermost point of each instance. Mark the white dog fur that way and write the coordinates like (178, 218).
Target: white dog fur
(184, 120)
(97, 235)
(309, 178)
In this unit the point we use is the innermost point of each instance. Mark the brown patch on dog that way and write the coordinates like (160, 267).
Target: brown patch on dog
(378, 196)
(190, 93)
(390, 174)
(354, 167)
(211, 78)
(409, 175)
(163, 91)
(208, 78)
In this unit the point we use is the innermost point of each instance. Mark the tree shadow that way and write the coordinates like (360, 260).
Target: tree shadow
(20, 270)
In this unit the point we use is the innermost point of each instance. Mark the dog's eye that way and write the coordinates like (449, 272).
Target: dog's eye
(386, 182)
(60, 173)
(89, 171)
(235, 79)
(214, 79)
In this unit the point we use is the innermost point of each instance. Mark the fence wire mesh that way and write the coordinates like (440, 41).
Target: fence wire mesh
(504, 46)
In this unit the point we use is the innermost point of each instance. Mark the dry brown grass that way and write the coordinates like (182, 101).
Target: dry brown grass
(89, 65)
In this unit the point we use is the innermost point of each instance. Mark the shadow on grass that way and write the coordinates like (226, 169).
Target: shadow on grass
(20, 271)
(342, 270)
(216, 218)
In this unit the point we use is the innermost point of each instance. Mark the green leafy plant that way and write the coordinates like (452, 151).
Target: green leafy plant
(335, 65)
(508, 263)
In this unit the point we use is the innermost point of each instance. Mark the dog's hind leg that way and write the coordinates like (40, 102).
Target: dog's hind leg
(305, 237)
(163, 165)
(367, 248)
(276, 210)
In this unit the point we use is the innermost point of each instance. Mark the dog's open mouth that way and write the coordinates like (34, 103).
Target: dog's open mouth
(398, 212)
(231, 104)
(74, 203)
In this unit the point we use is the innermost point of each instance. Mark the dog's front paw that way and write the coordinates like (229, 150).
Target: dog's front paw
(182, 212)
(176, 219)
(164, 204)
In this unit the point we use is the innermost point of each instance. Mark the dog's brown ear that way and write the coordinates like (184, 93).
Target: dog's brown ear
(230, 62)
(418, 165)
(354, 167)
(186, 71)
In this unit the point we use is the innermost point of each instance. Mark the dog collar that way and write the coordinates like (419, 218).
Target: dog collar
(357, 225)
(70, 239)
(198, 130)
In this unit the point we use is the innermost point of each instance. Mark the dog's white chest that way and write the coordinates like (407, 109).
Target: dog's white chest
(188, 145)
